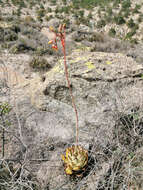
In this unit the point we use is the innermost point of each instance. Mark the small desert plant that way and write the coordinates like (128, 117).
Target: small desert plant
(48, 17)
(131, 23)
(112, 32)
(140, 18)
(41, 13)
(38, 63)
(28, 19)
(130, 34)
(127, 13)
(75, 160)
(109, 11)
(76, 157)
(126, 4)
(119, 19)
(49, 10)
(136, 9)
(64, 2)
(90, 15)
(81, 13)
(101, 23)
(53, 2)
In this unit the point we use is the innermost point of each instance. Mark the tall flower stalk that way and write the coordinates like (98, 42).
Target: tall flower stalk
(76, 157)
(61, 34)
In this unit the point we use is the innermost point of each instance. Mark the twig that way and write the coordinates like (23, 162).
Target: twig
(19, 126)
(3, 143)
(8, 131)
(21, 159)
(3, 136)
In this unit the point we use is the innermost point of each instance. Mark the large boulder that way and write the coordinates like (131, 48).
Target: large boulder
(106, 87)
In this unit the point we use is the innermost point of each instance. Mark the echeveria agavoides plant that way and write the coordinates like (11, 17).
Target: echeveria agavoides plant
(75, 160)
(76, 157)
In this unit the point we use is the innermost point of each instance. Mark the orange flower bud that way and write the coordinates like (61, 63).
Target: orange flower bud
(50, 42)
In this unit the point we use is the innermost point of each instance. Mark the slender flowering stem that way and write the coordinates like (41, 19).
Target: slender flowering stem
(62, 36)
(70, 90)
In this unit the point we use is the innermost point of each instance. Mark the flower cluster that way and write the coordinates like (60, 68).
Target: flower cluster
(60, 34)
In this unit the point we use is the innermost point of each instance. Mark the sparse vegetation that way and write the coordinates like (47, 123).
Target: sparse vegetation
(131, 23)
(93, 26)
(112, 32)
(118, 12)
(119, 19)
(101, 23)
(39, 64)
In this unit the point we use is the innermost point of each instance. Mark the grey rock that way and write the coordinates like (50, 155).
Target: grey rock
(104, 86)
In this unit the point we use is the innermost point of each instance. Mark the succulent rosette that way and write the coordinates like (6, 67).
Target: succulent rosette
(75, 160)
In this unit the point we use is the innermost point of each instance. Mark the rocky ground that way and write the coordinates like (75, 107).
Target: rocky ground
(37, 120)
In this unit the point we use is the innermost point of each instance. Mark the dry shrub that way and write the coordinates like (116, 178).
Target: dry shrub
(39, 63)
(105, 43)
